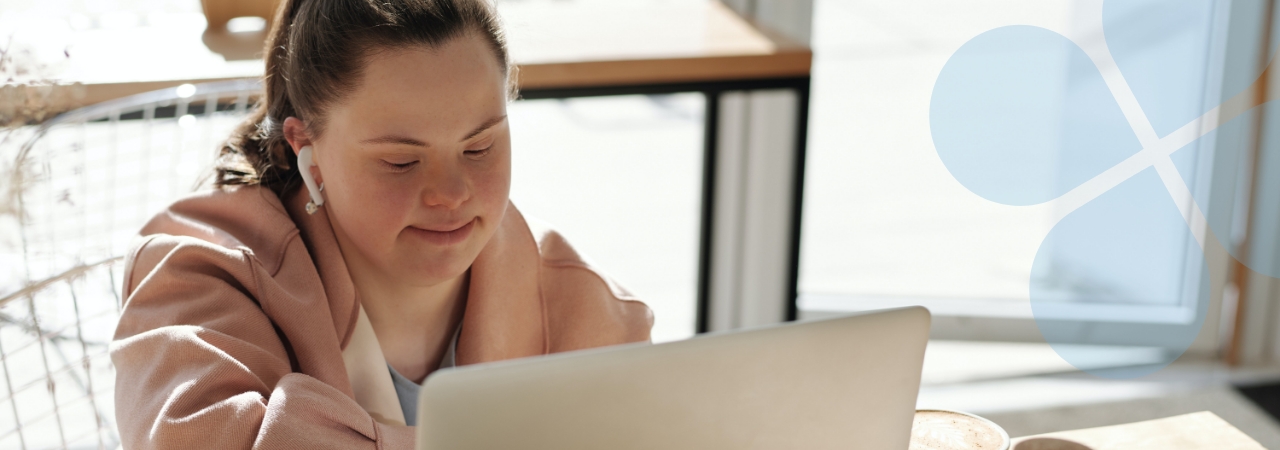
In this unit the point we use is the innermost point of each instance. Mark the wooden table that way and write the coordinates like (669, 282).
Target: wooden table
(563, 48)
(560, 45)
(1197, 431)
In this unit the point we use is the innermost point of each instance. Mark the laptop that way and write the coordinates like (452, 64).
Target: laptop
(848, 382)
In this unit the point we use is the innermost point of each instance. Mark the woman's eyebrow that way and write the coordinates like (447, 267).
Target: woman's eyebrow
(405, 140)
(394, 139)
(485, 126)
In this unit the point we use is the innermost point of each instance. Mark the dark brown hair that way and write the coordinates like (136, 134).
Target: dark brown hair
(315, 53)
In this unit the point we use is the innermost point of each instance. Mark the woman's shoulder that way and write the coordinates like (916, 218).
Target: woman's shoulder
(555, 251)
(573, 286)
(236, 219)
(233, 217)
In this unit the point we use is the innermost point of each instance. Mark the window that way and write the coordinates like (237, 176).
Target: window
(621, 178)
(890, 221)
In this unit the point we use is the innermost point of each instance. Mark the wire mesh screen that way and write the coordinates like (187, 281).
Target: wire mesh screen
(88, 180)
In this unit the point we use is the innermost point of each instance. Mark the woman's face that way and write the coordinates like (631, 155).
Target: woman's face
(416, 161)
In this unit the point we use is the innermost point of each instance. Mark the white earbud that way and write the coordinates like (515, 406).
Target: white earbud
(304, 169)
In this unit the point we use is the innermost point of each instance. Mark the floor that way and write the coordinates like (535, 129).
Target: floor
(1027, 389)
(1223, 401)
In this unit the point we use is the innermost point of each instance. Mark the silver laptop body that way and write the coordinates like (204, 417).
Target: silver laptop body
(846, 383)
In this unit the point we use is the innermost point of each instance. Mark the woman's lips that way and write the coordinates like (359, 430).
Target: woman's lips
(448, 237)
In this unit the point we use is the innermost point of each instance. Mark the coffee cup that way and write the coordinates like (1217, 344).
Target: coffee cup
(938, 429)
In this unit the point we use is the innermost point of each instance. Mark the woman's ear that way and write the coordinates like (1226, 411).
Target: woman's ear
(295, 131)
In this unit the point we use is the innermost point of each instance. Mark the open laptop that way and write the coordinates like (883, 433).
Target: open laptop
(847, 383)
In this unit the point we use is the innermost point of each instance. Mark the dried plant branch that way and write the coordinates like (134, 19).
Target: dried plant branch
(28, 96)
(66, 276)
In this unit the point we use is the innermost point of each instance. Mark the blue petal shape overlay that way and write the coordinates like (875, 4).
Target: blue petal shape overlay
(1020, 115)
(1162, 48)
(1107, 274)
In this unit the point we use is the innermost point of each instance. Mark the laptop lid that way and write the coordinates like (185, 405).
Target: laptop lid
(847, 382)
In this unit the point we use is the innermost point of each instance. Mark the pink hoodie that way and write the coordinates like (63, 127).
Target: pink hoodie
(238, 323)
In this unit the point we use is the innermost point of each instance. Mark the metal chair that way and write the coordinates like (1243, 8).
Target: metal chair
(88, 180)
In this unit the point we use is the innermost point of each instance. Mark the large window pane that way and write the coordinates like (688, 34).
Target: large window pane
(886, 219)
(882, 215)
(621, 178)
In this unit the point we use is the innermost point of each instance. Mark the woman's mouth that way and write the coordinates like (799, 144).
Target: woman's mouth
(443, 235)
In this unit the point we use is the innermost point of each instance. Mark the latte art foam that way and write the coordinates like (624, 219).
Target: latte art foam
(947, 430)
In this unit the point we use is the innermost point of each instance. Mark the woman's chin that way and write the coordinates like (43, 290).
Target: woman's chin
(435, 269)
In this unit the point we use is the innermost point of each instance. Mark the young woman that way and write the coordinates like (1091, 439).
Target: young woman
(359, 238)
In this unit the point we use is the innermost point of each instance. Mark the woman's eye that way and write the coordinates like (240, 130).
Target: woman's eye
(399, 167)
(478, 152)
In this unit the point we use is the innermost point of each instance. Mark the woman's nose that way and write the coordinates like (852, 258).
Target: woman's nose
(446, 188)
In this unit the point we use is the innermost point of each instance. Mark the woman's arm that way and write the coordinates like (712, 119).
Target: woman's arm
(200, 365)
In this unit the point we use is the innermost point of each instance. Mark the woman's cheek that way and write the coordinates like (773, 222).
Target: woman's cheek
(494, 188)
(494, 185)
(384, 204)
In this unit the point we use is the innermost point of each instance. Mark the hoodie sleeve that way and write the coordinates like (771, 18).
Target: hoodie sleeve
(199, 364)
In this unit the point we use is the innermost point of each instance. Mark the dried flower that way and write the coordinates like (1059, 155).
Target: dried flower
(28, 96)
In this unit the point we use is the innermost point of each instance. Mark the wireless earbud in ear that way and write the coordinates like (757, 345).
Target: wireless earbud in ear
(304, 169)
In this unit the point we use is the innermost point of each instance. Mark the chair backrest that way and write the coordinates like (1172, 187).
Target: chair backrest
(87, 181)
